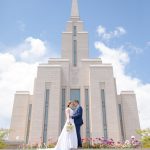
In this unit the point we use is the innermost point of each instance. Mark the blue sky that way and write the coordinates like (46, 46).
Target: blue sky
(46, 20)
(30, 32)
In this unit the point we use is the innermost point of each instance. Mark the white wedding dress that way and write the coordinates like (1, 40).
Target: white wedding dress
(67, 140)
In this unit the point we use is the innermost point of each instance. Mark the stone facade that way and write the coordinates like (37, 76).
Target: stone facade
(74, 76)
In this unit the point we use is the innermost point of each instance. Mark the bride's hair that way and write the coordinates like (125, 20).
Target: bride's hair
(68, 104)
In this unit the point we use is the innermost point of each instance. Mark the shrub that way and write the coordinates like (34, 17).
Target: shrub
(2, 145)
(3, 133)
(52, 145)
(145, 135)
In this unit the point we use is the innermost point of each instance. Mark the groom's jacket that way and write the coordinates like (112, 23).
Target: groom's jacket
(78, 116)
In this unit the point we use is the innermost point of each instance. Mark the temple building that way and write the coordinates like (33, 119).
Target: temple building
(74, 76)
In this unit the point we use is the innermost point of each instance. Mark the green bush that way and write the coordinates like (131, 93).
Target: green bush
(2, 145)
(3, 133)
(145, 137)
(51, 145)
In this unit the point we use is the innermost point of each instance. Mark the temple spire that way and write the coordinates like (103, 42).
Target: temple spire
(74, 10)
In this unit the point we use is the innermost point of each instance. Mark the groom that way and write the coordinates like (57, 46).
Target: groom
(78, 120)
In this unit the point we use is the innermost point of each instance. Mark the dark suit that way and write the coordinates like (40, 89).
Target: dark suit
(78, 123)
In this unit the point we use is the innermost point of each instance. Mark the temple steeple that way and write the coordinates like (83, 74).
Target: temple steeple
(75, 39)
(75, 10)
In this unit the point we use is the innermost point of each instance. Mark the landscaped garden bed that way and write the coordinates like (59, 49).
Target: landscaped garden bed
(88, 143)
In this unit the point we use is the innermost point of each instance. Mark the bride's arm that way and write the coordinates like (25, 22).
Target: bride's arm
(78, 113)
(68, 115)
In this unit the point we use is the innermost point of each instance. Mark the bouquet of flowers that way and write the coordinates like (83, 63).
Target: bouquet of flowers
(69, 127)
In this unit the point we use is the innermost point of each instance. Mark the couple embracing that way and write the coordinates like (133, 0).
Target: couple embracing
(70, 137)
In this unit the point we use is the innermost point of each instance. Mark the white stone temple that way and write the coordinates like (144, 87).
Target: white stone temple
(74, 76)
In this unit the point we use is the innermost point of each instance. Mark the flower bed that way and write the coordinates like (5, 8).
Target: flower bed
(99, 143)
(91, 143)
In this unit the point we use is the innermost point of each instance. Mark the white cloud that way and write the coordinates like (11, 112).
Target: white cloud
(120, 59)
(18, 68)
(13, 76)
(132, 48)
(106, 36)
(33, 49)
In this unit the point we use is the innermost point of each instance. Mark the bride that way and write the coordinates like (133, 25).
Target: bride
(68, 137)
